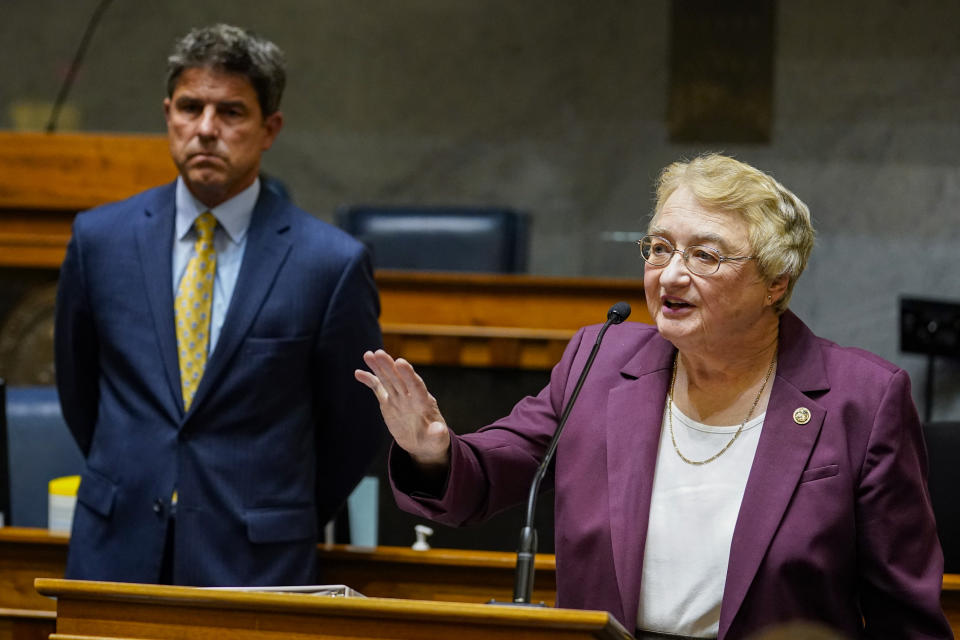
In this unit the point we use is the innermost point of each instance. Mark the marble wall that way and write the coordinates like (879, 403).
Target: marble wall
(559, 108)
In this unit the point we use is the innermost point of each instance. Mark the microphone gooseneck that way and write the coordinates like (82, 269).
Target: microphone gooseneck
(75, 65)
(527, 548)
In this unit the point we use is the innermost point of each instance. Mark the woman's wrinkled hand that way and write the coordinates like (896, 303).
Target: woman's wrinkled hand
(410, 412)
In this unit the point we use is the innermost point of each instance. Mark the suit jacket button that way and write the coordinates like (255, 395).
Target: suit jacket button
(157, 506)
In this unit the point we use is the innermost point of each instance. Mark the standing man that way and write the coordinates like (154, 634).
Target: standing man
(206, 335)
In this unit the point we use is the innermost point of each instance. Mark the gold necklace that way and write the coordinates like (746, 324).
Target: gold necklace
(756, 401)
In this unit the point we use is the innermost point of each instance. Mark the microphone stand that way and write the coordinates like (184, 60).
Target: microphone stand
(527, 548)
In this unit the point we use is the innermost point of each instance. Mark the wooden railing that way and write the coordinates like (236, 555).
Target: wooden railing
(493, 320)
(45, 179)
(386, 572)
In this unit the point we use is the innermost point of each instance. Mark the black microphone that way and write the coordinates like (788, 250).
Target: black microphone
(527, 549)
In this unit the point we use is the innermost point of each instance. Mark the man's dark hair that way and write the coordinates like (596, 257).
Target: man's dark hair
(234, 50)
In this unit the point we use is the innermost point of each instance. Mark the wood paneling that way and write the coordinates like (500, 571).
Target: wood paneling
(490, 320)
(26, 554)
(73, 171)
(46, 178)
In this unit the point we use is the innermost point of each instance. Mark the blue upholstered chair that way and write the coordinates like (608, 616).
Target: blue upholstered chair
(440, 238)
(39, 447)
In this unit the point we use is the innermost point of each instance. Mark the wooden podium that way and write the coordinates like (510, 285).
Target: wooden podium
(101, 610)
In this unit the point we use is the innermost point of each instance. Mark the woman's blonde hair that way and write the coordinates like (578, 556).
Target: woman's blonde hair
(781, 235)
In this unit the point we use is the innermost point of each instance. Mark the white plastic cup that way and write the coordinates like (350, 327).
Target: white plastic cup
(61, 501)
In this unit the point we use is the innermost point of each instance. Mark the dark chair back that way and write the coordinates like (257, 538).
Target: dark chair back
(440, 238)
(943, 453)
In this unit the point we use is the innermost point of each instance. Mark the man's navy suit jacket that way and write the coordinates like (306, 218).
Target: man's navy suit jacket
(279, 431)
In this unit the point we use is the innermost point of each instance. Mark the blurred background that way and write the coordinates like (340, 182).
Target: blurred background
(567, 110)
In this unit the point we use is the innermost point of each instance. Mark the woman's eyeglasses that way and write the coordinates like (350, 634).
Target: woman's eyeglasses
(703, 261)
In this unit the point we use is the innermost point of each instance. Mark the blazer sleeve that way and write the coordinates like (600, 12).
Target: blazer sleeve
(491, 469)
(350, 430)
(899, 552)
(75, 348)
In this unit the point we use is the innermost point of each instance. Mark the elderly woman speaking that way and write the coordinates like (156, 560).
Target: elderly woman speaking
(721, 472)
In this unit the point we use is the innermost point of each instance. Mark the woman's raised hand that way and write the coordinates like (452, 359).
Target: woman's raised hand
(411, 413)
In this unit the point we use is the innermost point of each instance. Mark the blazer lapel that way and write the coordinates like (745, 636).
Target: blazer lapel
(782, 454)
(155, 245)
(268, 244)
(634, 416)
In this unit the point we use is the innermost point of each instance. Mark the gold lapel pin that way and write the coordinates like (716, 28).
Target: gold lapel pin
(801, 415)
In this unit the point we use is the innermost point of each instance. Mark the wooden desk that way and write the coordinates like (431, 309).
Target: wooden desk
(26, 554)
(451, 575)
(101, 610)
(950, 599)
(384, 572)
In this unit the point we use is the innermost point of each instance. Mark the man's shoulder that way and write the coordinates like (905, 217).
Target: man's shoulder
(112, 213)
(317, 234)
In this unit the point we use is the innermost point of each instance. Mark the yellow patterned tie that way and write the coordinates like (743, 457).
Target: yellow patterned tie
(192, 308)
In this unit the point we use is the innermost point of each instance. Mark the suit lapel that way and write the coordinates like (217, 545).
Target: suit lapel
(155, 245)
(782, 454)
(634, 416)
(268, 244)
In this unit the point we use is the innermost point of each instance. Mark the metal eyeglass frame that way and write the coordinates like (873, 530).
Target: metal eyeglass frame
(685, 254)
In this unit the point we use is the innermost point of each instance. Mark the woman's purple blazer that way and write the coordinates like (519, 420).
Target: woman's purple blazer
(835, 525)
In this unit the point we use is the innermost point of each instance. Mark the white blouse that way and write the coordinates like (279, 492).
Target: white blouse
(693, 511)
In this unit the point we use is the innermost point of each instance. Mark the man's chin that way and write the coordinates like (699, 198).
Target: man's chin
(207, 189)
(203, 175)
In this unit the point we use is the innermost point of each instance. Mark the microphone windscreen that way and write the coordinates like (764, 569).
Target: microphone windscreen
(619, 312)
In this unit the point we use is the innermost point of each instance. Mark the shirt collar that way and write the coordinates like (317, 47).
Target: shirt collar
(233, 215)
